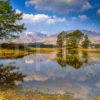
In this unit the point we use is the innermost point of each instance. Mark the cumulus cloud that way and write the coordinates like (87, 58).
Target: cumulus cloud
(42, 18)
(43, 22)
(98, 11)
(61, 6)
(83, 17)
(86, 6)
(80, 17)
(74, 18)
(18, 11)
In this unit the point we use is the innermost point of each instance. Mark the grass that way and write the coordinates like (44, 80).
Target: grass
(30, 95)
(18, 53)
(10, 53)
(91, 50)
(13, 95)
(43, 50)
(97, 98)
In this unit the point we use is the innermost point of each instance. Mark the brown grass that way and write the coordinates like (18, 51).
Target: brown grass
(13, 95)
(17, 53)
(10, 53)
(91, 50)
(43, 50)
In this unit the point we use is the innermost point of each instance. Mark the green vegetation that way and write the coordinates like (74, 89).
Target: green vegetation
(8, 20)
(86, 42)
(9, 26)
(40, 45)
(96, 45)
(73, 39)
(60, 39)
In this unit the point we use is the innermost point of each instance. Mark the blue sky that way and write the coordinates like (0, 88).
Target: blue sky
(52, 16)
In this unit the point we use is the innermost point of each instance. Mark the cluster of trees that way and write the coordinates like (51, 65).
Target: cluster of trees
(73, 39)
(9, 20)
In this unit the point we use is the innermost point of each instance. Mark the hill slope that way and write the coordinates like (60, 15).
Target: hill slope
(32, 37)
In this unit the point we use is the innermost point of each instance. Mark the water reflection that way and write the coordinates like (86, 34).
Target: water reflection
(10, 76)
(61, 58)
(73, 58)
(45, 73)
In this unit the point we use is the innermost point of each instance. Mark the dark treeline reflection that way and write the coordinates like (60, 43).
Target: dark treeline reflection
(10, 76)
(71, 57)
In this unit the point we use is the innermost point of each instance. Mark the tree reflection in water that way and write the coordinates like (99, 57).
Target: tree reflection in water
(10, 76)
(60, 58)
(71, 57)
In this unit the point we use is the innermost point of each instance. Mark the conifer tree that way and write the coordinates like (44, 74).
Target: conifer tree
(9, 20)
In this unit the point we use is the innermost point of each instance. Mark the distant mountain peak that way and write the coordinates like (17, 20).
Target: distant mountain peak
(32, 37)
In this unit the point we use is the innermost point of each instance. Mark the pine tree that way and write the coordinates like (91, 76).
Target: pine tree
(9, 20)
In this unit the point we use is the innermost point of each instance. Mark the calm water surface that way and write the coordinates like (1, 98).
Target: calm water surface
(77, 73)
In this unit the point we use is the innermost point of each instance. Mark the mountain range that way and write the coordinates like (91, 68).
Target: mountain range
(32, 37)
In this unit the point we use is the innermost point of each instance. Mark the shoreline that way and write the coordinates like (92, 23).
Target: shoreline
(90, 50)
(17, 53)
(44, 50)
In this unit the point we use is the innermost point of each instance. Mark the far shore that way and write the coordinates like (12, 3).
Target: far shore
(44, 50)
(90, 50)
(16, 53)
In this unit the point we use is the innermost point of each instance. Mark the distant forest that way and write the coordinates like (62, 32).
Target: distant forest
(25, 46)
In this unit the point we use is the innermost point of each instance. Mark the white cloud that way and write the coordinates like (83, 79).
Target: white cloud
(42, 18)
(60, 6)
(35, 18)
(86, 6)
(74, 18)
(18, 11)
(80, 17)
(83, 17)
(43, 22)
(38, 18)
(98, 11)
